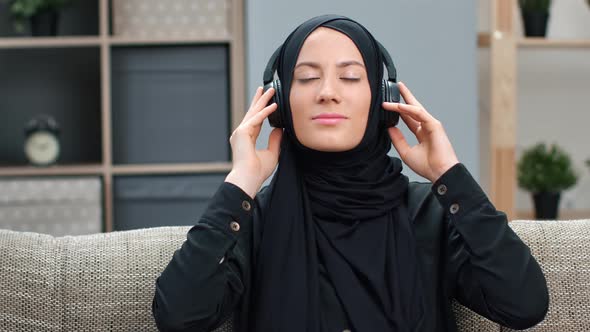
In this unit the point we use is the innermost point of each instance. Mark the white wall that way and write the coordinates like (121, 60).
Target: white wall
(432, 44)
(553, 87)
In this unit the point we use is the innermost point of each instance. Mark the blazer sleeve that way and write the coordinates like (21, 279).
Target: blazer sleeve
(489, 268)
(203, 283)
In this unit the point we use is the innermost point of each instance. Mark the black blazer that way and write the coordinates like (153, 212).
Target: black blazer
(467, 252)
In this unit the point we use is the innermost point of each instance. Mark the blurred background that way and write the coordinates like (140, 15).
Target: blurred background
(116, 114)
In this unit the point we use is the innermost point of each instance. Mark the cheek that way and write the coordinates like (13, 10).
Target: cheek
(299, 103)
(298, 107)
(363, 103)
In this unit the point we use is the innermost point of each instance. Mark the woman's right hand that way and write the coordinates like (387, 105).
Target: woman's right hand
(252, 167)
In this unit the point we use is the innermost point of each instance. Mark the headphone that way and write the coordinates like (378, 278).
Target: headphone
(389, 90)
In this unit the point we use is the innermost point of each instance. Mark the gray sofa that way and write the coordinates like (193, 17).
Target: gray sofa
(105, 281)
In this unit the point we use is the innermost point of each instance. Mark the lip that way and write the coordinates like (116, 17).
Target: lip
(329, 118)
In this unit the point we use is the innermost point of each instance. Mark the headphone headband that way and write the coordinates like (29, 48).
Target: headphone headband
(391, 71)
(271, 66)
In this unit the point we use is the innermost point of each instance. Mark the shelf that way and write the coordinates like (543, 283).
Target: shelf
(34, 42)
(97, 169)
(483, 41)
(563, 214)
(133, 41)
(127, 105)
(90, 169)
(554, 43)
(210, 167)
(64, 41)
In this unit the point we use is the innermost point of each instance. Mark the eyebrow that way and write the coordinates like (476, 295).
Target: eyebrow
(339, 64)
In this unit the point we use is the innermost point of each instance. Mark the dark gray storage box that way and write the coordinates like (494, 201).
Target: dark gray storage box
(162, 200)
(170, 104)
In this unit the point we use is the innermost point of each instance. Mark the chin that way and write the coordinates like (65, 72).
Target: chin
(329, 144)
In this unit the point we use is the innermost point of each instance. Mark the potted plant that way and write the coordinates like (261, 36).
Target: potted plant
(545, 172)
(535, 14)
(43, 15)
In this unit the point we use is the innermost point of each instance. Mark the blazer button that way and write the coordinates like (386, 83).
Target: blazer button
(234, 226)
(442, 189)
(454, 208)
(246, 205)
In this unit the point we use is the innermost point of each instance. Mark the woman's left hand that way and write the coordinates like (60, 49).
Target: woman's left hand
(433, 155)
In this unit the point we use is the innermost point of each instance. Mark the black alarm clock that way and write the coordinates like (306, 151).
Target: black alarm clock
(42, 146)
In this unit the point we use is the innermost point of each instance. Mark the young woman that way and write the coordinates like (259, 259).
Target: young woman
(341, 240)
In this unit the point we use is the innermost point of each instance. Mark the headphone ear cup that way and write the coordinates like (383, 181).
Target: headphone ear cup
(275, 119)
(390, 93)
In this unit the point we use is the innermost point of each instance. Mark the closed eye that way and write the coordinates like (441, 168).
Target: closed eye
(305, 80)
(351, 78)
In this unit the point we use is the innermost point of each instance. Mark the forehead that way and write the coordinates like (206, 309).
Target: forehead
(328, 43)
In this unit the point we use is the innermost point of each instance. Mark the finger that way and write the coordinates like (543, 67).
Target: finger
(256, 102)
(402, 109)
(418, 113)
(399, 141)
(412, 124)
(258, 118)
(274, 141)
(265, 98)
(252, 110)
(408, 95)
(256, 96)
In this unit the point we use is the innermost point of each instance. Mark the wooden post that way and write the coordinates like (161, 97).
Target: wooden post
(237, 65)
(503, 55)
(105, 75)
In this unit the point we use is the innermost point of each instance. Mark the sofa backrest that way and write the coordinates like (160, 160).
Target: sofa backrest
(98, 282)
(105, 281)
(562, 249)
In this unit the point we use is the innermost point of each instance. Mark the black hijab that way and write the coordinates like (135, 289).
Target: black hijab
(344, 210)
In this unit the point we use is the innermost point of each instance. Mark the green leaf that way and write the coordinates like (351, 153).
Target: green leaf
(545, 170)
(535, 5)
(23, 10)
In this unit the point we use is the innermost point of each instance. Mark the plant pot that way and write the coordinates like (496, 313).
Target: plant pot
(45, 23)
(546, 205)
(535, 23)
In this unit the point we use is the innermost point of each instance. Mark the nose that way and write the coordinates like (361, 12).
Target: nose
(328, 91)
